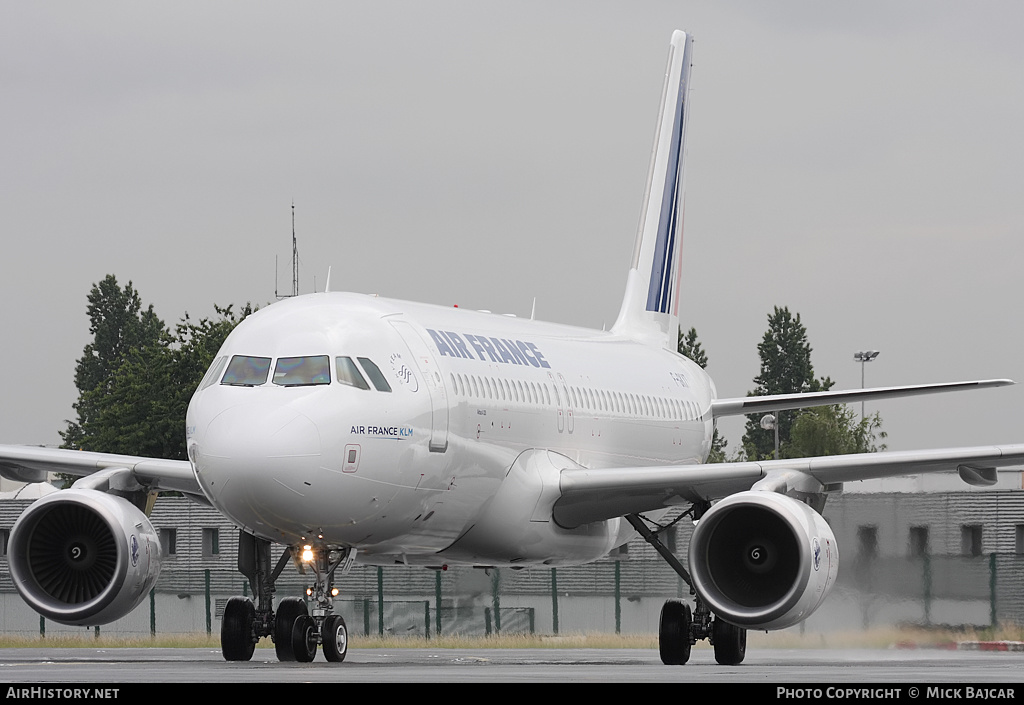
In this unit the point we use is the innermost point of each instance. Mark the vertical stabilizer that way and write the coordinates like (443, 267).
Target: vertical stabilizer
(650, 308)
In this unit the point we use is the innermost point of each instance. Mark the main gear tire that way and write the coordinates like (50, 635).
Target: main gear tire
(674, 633)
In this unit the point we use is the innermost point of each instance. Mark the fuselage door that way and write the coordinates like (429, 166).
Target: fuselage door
(568, 403)
(558, 403)
(431, 375)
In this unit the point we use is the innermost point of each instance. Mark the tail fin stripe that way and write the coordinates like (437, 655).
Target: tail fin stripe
(650, 307)
(660, 293)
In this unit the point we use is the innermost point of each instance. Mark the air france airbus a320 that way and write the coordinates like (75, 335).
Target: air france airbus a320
(348, 427)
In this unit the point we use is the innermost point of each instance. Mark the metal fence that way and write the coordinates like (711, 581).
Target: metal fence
(621, 593)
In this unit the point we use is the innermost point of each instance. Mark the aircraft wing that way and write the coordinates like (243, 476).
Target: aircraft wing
(595, 494)
(757, 405)
(31, 463)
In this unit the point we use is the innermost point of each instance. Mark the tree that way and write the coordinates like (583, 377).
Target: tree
(833, 430)
(690, 347)
(190, 355)
(120, 329)
(142, 377)
(785, 369)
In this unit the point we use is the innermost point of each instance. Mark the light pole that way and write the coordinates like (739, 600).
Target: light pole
(769, 422)
(863, 356)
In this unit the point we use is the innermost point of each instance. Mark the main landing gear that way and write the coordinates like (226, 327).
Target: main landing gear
(680, 627)
(297, 630)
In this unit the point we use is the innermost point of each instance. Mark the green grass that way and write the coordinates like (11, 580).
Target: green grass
(790, 639)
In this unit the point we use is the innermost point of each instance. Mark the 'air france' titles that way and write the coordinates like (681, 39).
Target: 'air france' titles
(513, 352)
(396, 432)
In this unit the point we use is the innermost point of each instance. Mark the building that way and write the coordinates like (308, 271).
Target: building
(926, 550)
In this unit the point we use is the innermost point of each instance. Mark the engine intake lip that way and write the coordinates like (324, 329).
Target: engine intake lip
(751, 576)
(65, 557)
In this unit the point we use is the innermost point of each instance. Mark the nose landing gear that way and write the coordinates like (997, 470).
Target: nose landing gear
(297, 630)
(301, 633)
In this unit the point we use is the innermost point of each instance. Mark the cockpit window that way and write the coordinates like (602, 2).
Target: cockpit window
(213, 373)
(247, 371)
(302, 371)
(374, 373)
(349, 374)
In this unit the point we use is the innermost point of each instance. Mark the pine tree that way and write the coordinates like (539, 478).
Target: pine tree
(135, 379)
(121, 329)
(785, 369)
(690, 347)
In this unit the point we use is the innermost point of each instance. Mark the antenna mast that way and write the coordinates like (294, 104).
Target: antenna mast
(295, 264)
(295, 257)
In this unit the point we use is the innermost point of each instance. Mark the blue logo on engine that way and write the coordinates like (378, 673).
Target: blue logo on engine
(134, 546)
(816, 550)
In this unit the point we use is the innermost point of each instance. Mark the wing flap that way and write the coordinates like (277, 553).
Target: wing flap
(589, 495)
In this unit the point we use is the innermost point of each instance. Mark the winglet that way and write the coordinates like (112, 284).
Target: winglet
(650, 307)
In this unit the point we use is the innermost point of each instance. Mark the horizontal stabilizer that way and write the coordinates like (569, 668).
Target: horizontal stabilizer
(777, 402)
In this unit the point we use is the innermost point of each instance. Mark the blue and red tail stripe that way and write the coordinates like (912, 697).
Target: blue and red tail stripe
(662, 294)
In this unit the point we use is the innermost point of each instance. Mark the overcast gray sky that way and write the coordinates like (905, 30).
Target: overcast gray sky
(859, 163)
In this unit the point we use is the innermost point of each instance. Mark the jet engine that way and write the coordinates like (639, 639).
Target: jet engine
(762, 560)
(83, 557)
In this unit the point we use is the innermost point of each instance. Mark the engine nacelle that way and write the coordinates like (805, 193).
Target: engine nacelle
(83, 557)
(762, 560)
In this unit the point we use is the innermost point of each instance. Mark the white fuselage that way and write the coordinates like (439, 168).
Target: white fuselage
(417, 473)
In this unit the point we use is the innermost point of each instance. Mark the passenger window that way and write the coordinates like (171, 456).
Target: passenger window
(302, 371)
(375, 375)
(247, 371)
(349, 374)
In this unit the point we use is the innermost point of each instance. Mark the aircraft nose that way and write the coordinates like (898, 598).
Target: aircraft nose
(260, 443)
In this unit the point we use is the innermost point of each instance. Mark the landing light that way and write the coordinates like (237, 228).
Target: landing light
(307, 554)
